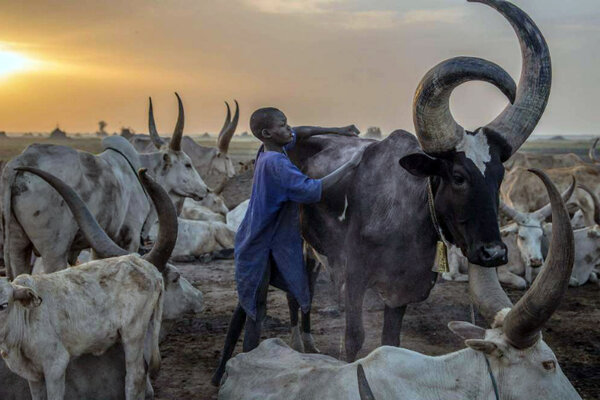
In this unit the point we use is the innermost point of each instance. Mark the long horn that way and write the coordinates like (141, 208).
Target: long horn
(592, 152)
(594, 200)
(226, 123)
(225, 138)
(154, 136)
(518, 120)
(364, 389)
(523, 323)
(175, 143)
(93, 233)
(436, 129)
(510, 212)
(546, 210)
(167, 223)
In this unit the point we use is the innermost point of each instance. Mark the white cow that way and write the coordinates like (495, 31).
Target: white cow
(235, 216)
(196, 238)
(194, 210)
(511, 353)
(46, 320)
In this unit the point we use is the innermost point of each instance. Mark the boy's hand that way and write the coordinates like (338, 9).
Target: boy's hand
(349, 130)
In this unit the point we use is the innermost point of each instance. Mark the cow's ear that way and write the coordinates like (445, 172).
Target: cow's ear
(26, 296)
(484, 346)
(421, 165)
(466, 330)
(167, 160)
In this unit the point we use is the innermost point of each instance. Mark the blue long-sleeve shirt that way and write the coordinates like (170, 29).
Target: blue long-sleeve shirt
(272, 226)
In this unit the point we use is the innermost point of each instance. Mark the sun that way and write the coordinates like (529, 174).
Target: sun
(12, 62)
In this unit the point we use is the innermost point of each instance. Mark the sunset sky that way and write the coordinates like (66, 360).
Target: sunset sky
(323, 62)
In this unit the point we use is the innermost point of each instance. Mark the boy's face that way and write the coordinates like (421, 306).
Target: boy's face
(279, 132)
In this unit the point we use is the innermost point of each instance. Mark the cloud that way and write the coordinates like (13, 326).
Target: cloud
(292, 6)
(445, 15)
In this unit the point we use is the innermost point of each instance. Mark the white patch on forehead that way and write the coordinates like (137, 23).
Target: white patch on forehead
(476, 149)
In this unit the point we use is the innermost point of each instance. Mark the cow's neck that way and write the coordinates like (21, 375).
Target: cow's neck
(153, 162)
(450, 376)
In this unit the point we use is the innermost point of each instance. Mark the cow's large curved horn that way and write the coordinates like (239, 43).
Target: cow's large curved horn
(225, 137)
(226, 123)
(436, 129)
(523, 323)
(592, 152)
(93, 233)
(167, 223)
(154, 136)
(175, 143)
(594, 200)
(364, 389)
(546, 210)
(518, 120)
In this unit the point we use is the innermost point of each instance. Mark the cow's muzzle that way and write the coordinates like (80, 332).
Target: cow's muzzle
(489, 255)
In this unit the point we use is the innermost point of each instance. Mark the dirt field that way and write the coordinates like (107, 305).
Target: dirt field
(192, 349)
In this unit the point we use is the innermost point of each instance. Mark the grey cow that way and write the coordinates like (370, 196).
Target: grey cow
(213, 164)
(378, 231)
(34, 216)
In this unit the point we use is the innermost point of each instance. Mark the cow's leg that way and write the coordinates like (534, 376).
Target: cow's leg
(233, 334)
(54, 376)
(296, 339)
(19, 251)
(313, 267)
(355, 332)
(135, 376)
(512, 280)
(392, 324)
(37, 390)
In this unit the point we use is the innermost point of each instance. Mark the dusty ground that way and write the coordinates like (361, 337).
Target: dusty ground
(192, 349)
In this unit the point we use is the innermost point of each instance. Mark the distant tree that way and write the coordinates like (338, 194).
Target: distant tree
(101, 132)
(3, 134)
(127, 132)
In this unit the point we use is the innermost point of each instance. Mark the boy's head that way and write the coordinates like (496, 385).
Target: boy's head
(269, 125)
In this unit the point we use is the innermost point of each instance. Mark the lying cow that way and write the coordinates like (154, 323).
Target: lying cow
(89, 308)
(236, 216)
(196, 238)
(510, 356)
(194, 210)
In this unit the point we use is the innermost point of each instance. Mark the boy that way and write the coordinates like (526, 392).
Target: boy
(268, 246)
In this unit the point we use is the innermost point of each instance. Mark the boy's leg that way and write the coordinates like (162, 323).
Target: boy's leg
(233, 334)
(254, 327)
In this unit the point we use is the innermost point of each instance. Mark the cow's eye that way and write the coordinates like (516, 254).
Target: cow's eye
(458, 179)
(549, 365)
(3, 306)
(188, 166)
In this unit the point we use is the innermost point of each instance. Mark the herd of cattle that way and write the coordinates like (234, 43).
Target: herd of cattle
(87, 325)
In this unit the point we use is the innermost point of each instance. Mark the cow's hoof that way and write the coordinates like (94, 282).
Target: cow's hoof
(309, 343)
(296, 340)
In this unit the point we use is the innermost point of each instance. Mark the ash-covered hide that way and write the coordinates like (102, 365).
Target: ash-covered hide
(237, 189)
(236, 216)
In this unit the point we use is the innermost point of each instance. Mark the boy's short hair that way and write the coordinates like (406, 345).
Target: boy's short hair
(262, 119)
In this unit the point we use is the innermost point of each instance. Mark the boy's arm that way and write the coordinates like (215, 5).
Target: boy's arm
(329, 181)
(303, 132)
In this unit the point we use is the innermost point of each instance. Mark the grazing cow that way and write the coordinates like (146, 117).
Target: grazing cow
(89, 308)
(510, 358)
(34, 216)
(542, 161)
(376, 230)
(213, 164)
(196, 238)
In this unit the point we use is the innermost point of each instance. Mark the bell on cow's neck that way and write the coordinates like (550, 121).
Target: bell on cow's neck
(440, 263)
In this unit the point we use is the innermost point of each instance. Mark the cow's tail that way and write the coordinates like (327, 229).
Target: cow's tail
(8, 178)
(155, 335)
